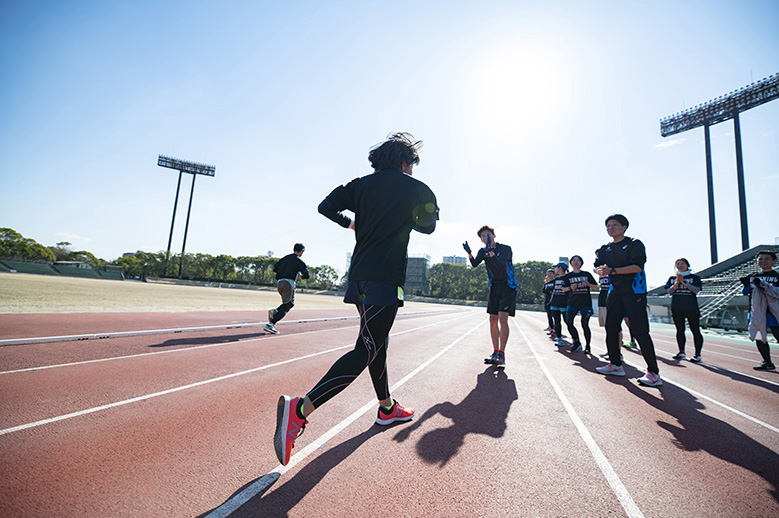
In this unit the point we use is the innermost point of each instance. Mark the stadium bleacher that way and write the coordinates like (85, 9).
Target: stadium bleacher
(25, 267)
(74, 271)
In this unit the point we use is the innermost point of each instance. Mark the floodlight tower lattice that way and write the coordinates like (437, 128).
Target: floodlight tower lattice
(193, 168)
(717, 110)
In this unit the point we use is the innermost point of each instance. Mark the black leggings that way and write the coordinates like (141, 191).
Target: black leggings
(281, 311)
(763, 347)
(556, 325)
(369, 351)
(694, 319)
(549, 317)
(635, 307)
(569, 316)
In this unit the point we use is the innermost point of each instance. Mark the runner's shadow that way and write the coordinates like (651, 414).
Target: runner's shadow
(282, 499)
(698, 431)
(741, 378)
(207, 340)
(484, 411)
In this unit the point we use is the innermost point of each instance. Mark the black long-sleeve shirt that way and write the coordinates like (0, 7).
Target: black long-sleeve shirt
(500, 267)
(288, 267)
(388, 205)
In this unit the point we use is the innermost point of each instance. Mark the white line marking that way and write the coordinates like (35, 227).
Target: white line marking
(196, 384)
(114, 334)
(612, 478)
(260, 485)
(193, 348)
(707, 398)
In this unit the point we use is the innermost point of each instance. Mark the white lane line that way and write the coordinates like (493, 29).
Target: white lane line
(115, 334)
(627, 502)
(264, 482)
(198, 384)
(193, 348)
(183, 350)
(707, 398)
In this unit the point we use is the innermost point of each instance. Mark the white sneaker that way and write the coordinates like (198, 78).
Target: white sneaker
(696, 358)
(272, 330)
(611, 369)
(650, 379)
(680, 356)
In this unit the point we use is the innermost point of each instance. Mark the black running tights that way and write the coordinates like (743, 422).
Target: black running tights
(369, 351)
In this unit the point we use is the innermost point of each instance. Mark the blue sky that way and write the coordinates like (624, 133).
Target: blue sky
(538, 118)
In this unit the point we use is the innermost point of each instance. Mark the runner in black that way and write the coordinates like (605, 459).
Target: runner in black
(623, 261)
(387, 206)
(578, 284)
(548, 289)
(289, 269)
(559, 302)
(763, 291)
(502, 301)
(683, 288)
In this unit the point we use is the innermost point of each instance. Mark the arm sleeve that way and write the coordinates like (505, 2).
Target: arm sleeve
(476, 261)
(303, 270)
(598, 260)
(590, 278)
(426, 213)
(637, 254)
(337, 202)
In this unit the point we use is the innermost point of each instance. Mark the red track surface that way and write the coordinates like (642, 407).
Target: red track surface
(547, 436)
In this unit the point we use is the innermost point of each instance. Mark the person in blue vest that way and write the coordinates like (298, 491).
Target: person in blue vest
(623, 261)
(502, 300)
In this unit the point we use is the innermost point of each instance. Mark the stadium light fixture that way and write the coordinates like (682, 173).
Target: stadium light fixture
(712, 112)
(193, 168)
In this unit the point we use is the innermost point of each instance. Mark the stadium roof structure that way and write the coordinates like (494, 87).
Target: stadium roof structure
(718, 110)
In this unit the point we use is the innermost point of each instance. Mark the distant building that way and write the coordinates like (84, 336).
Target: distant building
(564, 260)
(348, 262)
(416, 275)
(454, 259)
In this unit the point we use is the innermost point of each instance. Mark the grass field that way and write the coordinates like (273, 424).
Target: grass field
(25, 293)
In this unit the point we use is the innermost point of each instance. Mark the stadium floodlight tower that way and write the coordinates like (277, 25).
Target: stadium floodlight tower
(193, 168)
(717, 110)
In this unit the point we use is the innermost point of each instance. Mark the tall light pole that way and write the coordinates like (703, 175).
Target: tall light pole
(717, 110)
(193, 168)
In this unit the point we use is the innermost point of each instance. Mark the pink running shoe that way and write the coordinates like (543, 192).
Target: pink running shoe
(395, 414)
(288, 427)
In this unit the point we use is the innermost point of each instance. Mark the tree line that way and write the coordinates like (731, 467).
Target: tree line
(446, 281)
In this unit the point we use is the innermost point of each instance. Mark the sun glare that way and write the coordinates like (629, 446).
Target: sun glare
(517, 93)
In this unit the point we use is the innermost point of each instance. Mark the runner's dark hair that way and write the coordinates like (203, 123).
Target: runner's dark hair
(618, 217)
(768, 253)
(393, 152)
(482, 229)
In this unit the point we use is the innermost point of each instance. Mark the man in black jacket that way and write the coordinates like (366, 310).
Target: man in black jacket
(289, 269)
(387, 206)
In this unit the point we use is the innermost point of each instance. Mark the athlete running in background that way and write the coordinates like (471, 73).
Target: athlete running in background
(559, 302)
(387, 206)
(623, 261)
(683, 288)
(289, 269)
(763, 291)
(548, 289)
(578, 284)
(502, 301)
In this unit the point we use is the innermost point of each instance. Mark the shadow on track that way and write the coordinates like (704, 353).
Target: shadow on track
(483, 411)
(735, 376)
(208, 340)
(698, 431)
(282, 499)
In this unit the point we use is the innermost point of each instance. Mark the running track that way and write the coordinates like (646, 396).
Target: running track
(181, 424)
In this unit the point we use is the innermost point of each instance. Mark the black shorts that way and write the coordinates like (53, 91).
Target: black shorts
(503, 299)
